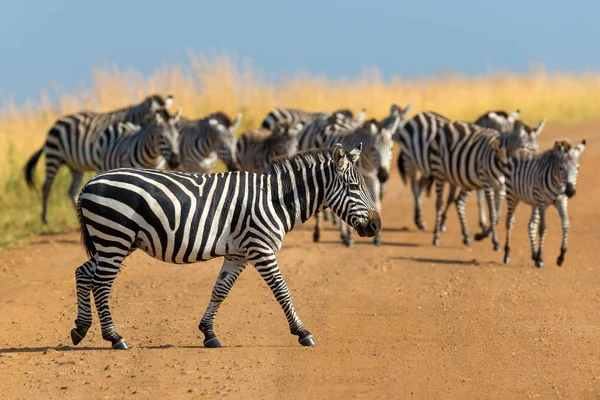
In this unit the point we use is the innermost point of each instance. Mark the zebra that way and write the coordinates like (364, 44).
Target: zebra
(373, 164)
(541, 180)
(71, 139)
(204, 140)
(311, 136)
(151, 146)
(499, 120)
(256, 148)
(182, 217)
(521, 136)
(295, 116)
(415, 138)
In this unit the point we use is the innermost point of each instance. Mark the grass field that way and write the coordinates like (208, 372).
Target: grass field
(218, 83)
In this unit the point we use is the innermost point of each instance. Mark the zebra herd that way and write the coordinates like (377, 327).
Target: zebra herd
(155, 191)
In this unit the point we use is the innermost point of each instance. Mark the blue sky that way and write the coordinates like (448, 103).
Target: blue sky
(57, 43)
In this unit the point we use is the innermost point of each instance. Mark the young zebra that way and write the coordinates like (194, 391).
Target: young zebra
(374, 164)
(542, 180)
(71, 139)
(186, 217)
(204, 140)
(257, 148)
(151, 146)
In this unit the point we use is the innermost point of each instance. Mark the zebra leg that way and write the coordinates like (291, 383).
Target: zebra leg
(52, 165)
(418, 187)
(449, 201)
(76, 179)
(83, 278)
(230, 271)
(375, 192)
(439, 202)
(317, 232)
(561, 206)
(102, 282)
(334, 219)
(460, 207)
(266, 265)
(542, 232)
(325, 215)
(533, 228)
(481, 210)
(490, 196)
(510, 223)
(347, 234)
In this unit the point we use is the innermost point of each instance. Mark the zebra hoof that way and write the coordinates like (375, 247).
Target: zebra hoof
(506, 260)
(307, 341)
(326, 217)
(560, 261)
(377, 242)
(467, 241)
(316, 237)
(76, 337)
(436, 241)
(212, 343)
(349, 243)
(444, 228)
(120, 345)
(497, 247)
(480, 236)
(539, 264)
(422, 226)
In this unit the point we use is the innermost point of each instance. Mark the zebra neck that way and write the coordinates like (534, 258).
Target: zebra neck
(207, 141)
(147, 143)
(298, 191)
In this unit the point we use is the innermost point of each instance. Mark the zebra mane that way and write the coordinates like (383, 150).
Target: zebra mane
(282, 164)
(221, 117)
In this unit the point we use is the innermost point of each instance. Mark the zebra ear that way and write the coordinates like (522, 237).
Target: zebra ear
(581, 146)
(515, 115)
(406, 111)
(159, 118)
(354, 155)
(236, 124)
(395, 110)
(168, 101)
(338, 155)
(177, 115)
(361, 116)
(538, 129)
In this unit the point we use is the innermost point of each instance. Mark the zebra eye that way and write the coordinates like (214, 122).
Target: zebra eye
(354, 186)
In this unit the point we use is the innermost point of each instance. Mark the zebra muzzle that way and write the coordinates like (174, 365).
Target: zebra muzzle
(174, 161)
(372, 227)
(570, 190)
(382, 175)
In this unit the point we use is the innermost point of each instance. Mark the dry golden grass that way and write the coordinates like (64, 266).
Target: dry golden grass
(207, 85)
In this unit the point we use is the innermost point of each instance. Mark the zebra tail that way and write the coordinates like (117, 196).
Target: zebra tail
(30, 166)
(86, 239)
(402, 168)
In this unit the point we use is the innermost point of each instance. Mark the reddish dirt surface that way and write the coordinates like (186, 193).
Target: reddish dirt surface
(405, 320)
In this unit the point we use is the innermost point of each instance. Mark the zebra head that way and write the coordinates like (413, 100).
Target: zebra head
(378, 154)
(348, 196)
(168, 136)
(396, 114)
(226, 140)
(569, 164)
(527, 137)
(156, 102)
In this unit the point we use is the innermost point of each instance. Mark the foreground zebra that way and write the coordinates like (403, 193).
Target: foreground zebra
(542, 180)
(183, 218)
(205, 140)
(71, 140)
(257, 148)
(153, 146)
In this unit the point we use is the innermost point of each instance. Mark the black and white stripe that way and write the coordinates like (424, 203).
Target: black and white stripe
(542, 180)
(155, 145)
(499, 120)
(295, 116)
(205, 140)
(187, 217)
(257, 148)
(71, 140)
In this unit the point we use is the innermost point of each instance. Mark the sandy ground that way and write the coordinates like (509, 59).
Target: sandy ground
(405, 320)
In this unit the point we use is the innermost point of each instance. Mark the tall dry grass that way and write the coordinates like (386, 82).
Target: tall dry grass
(218, 83)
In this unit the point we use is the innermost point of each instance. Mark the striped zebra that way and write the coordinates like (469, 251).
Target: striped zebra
(521, 136)
(205, 140)
(542, 180)
(295, 116)
(311, 136)
(499, 120)
(373, 165)
(257, 148)
(71, 139)
(155, 145)
(189, 217)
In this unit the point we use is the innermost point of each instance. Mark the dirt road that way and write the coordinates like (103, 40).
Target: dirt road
(405, 320)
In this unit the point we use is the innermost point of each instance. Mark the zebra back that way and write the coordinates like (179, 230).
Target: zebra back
(499, 120)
